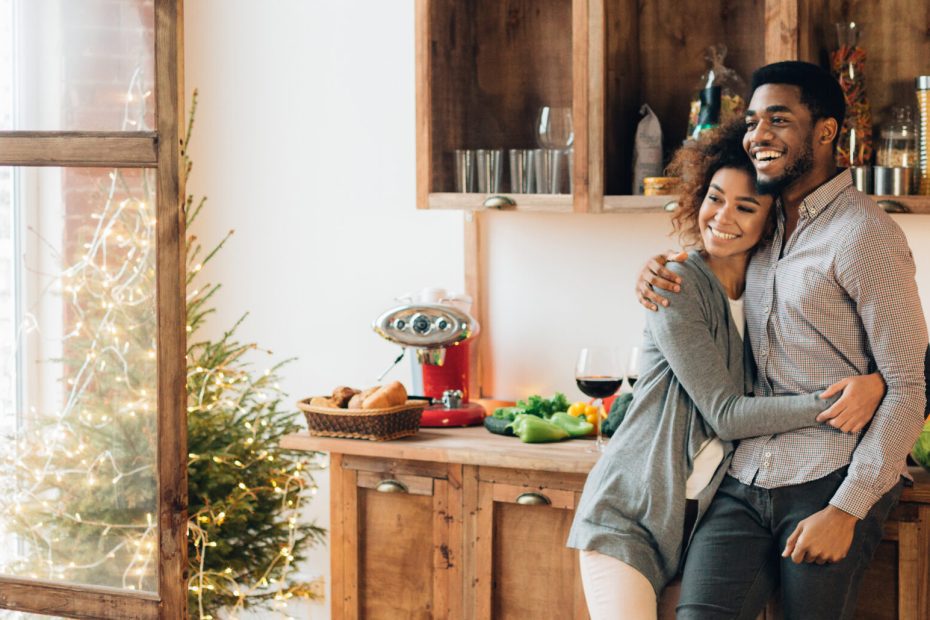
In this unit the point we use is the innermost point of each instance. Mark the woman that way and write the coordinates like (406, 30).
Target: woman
(673, 445)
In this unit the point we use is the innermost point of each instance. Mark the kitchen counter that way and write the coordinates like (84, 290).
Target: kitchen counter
(468, 446)
(476, 446)
(473, 525)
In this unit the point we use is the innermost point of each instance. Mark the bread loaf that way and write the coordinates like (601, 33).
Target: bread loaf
(390, 395)
(323, 401)
(342, 395)
(356, 401)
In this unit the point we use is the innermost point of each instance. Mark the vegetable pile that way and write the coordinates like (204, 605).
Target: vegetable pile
(539, 420)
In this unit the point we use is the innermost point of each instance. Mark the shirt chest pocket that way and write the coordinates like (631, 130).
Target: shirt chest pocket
(806, 287)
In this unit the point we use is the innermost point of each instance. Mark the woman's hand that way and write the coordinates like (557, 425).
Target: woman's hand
(655, 275)
(861, 397)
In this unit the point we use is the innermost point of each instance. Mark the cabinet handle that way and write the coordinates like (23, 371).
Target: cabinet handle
(893, 206)
(391, 486)
(533, 499)
(499, 202)
(670, 206)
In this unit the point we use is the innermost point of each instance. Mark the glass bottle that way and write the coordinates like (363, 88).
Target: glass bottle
(898, 147)
(848, 60)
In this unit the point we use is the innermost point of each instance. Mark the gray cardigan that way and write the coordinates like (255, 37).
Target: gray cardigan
(691, 387)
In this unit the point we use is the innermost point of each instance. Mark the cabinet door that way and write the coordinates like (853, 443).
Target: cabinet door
(521, 534)
(395, 538)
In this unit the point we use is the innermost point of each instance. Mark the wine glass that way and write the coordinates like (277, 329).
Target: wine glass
(633, 366)
(599, 373)
(554, 127)
(555, 134)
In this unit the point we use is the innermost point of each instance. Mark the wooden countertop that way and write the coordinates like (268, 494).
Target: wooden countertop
(476, 446)
(469, 446)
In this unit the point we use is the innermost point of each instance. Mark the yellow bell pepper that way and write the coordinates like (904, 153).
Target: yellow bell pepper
(588, 411)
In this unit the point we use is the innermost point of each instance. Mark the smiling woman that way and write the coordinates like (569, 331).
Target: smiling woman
(696, 165)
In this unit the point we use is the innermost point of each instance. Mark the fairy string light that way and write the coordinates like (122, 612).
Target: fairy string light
(78, 483)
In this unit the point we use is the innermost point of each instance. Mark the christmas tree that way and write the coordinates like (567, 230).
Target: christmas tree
(78, 483)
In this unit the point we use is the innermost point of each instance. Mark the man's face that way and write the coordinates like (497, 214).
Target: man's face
(779, 136)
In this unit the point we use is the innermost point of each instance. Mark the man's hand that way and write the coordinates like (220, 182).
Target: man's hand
(655, 275)
(860, 400)
(823, 537)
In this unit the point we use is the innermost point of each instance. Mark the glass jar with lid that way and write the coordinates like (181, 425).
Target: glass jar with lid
(898, 145)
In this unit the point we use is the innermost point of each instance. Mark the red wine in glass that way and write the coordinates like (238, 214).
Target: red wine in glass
(599, 373)
(599, 386)
(632, 379)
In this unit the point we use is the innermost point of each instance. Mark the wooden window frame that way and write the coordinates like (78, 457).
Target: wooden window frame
(160, 150)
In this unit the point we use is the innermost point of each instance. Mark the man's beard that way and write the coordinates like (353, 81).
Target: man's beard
(793, 171)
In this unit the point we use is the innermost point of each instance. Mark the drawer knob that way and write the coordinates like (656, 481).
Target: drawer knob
(893, 206)
(533, 499)
(391, 486)
(499, 202)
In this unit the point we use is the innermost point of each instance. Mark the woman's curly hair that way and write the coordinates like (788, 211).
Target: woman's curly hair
(695, 164)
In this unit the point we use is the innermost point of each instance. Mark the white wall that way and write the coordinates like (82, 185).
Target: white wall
(305, 145)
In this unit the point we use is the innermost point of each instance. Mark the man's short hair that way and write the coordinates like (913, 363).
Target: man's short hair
(820, 91)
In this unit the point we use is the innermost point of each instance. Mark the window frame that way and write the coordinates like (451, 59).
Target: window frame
(160, 150)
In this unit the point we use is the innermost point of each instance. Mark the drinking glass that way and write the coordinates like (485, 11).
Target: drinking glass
(633, 366)
(554, 127)
(599, 373)
(555, 134)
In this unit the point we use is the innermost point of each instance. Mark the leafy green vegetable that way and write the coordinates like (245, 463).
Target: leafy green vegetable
(921, 451)
(507, 413)
(543, 407)
(617, 413)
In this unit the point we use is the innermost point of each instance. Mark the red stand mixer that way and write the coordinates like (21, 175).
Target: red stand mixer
(440, 334)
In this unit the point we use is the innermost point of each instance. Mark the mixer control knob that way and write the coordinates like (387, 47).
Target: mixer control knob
(400, 324)
(421, 324)
(442, 324)
(452, 399)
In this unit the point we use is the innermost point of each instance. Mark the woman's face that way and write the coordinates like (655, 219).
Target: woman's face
(732, 217)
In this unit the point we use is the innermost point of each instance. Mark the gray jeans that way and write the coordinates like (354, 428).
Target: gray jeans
(734, 563)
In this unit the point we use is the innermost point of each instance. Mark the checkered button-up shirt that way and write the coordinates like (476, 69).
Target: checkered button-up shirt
(841, 300)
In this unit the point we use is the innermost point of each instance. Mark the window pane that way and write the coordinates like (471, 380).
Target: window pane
(83, 65)
(78, 385)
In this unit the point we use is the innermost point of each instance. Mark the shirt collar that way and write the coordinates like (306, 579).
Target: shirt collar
(820, 198)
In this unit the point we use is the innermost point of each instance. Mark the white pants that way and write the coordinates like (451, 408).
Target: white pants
(615, 590)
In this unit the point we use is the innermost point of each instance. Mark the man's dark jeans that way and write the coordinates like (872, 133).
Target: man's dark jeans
(734, 563)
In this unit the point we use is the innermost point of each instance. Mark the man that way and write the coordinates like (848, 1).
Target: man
(831, 295)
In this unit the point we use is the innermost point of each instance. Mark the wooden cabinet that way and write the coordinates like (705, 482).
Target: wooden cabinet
(397, 538)
(523, 568)
(485, 66)
(462, 524)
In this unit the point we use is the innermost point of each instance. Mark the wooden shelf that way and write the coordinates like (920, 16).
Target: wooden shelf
(563, 203)
(538, 203)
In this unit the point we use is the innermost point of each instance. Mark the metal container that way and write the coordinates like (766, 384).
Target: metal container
(862, 177)
(892, 181)
(923, 115)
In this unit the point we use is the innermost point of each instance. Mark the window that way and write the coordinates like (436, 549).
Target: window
(92, 398)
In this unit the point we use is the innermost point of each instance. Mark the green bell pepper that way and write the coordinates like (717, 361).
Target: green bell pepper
(533, 429)
(574, 426)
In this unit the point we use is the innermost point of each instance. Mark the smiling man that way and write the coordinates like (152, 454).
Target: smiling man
(830, 295)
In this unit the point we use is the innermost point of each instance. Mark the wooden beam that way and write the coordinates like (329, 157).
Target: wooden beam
(781, 30)
(424, 107)
(76, 601)
(474, 287)
(72, 148)
(170, 286)
(588, 103)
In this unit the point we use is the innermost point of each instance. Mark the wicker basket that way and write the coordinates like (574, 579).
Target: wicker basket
(373, 424)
